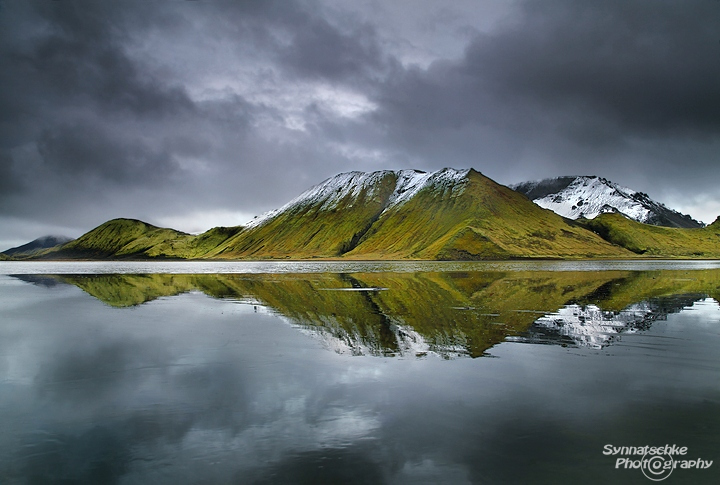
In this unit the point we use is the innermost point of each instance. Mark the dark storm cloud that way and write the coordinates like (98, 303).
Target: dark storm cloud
(649, 67)
(70, 56)
(321, 50)
(303, 41)
(87, 109)
(87, 153)
(593, 72)
(350, 465)
(83, 58)
(9, 181)
(68, 84)
(154, 110)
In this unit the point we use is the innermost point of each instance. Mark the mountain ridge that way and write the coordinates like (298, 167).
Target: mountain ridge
(448, 214)
(657, 241)
(587, 196)
(36, 245)
(446, 312)
(121, 238)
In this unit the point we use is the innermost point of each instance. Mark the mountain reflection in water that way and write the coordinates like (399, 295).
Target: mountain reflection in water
(450, 314)
(188, 378)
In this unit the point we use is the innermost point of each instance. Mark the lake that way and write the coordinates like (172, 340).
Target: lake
(360, 372)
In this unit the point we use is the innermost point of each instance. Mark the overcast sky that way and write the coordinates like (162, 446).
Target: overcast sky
(192, 114)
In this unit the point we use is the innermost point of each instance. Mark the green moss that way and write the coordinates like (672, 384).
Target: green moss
(201, 245)
(470, 244)
(124, 290)
(656, 241)
(125, 238)
(472, 220)
(313, 230)
(484, 220)
(468, 311)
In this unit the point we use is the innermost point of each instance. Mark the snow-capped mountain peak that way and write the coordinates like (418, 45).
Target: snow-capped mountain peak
(590, 196)
(329, 193)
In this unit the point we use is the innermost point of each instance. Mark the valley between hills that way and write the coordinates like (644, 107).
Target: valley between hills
(401, 215)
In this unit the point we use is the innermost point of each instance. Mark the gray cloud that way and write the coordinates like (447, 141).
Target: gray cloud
(627, 90)
(86, 153)
(647, 67)
(641, 69)
(168, 112)
(321, 50)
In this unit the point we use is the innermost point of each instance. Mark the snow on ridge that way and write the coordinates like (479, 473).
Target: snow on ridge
(589, 326)
(408, 341)
(331, 191)
(591, 196)
(410, 182)
(328, 192)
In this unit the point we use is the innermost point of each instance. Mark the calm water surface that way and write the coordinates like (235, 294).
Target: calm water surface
(356, 372)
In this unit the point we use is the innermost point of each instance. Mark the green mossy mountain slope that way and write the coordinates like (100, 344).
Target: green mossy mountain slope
(656, 241)
(469, 312)
(125, 238)
(203, 244)
(455, 215)
(313, 230)
(133, 239)
(479, 219)
(473, 219)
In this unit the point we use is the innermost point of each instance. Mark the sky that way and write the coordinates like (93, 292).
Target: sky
(195, 113)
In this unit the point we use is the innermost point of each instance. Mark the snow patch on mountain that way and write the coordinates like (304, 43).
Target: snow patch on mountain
(328, 194)
(407, 341)
(590, 196)
(589, 326)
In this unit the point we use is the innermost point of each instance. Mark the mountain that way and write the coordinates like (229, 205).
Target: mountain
(124, 238)
(589, 196)
(393, 215)
(591, 326)
(658, 241)
(134, 239)
(449, 313)
(37, 245)
(408, 214)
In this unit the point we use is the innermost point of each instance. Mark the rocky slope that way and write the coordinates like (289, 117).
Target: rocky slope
(590, 196)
